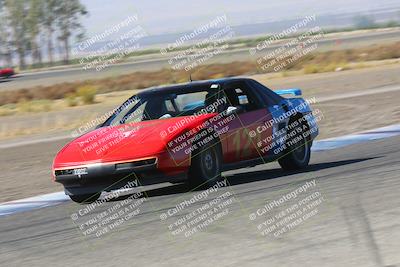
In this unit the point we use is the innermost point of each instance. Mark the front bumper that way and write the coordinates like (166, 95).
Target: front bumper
(96, 178)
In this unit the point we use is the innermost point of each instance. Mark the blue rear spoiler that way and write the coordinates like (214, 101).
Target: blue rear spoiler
(291, 91)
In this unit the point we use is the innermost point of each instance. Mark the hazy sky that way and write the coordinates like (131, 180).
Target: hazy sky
(161, 16)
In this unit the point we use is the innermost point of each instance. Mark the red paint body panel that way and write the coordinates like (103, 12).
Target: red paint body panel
(131, 142)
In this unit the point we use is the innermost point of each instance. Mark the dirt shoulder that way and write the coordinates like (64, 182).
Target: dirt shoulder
(333, 83)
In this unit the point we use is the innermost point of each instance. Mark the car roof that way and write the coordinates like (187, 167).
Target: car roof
(182, 87)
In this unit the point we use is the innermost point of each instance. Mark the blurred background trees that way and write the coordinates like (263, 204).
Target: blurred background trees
(68, 14)
(29, 30)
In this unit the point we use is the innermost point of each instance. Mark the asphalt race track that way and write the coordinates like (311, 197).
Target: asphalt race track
(355, 220)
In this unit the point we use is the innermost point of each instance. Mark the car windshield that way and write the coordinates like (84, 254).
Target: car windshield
(152, 106)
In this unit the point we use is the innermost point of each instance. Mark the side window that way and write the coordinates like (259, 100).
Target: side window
(190, 100)
(239, 94)
(268, 96)
(170, 106)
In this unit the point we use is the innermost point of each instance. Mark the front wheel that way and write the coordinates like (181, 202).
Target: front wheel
(298, 152)
(206, 164)
(85, 199)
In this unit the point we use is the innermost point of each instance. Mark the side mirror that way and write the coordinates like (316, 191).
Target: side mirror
(232, 110)
(165, 116)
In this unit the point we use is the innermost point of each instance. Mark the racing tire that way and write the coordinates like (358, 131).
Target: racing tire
(297, 154)
(206, 166)
(85, 199)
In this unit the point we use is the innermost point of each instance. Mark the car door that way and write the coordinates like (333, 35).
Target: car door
(245, 123)
(278, 110)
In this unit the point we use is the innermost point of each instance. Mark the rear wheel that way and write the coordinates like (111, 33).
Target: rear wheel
(85, 199)
(206, 164)
(297, 154)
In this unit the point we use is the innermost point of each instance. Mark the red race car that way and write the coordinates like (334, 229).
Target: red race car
(6, 72)
(188, 133)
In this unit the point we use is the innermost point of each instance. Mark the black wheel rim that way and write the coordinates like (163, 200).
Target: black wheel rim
(300, 151)
(209, 163)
